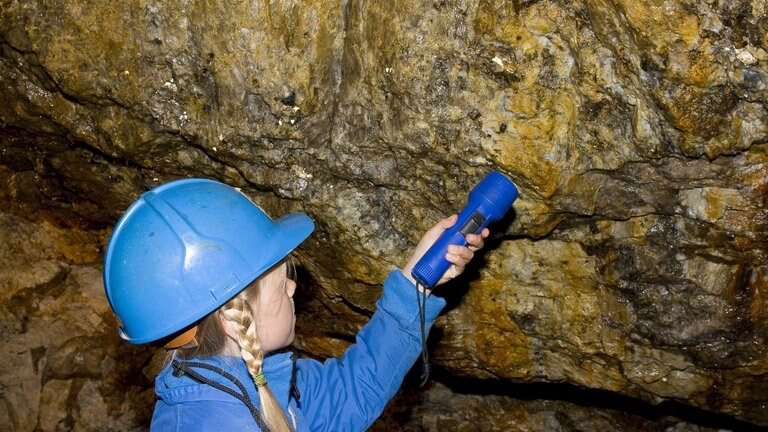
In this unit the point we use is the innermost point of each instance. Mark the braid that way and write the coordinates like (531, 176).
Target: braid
(238, 313)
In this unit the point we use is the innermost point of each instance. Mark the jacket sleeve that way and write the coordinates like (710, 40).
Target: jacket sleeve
(349, 393)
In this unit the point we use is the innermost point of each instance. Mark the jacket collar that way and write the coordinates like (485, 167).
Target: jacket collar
(278, 369)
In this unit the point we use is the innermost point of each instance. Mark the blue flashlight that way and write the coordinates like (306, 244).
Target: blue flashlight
(488, 202)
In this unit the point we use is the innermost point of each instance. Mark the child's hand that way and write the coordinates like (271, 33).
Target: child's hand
(458, 256)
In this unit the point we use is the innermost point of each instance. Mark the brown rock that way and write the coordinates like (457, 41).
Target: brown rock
(635, 263)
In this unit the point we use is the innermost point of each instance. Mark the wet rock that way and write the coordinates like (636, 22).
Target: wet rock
(634, 262)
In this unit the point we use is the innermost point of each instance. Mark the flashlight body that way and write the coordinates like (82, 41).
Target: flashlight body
(488, 202)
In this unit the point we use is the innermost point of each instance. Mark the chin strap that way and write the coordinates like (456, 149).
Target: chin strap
(188, 337)
(185, 368)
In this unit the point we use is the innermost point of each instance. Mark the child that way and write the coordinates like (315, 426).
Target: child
(196, 266)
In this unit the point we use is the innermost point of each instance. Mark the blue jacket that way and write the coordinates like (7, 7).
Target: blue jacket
(344, 394)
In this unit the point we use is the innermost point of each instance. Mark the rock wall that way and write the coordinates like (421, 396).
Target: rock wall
(634, 265)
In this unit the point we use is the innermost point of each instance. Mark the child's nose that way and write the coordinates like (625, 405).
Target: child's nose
(290, 287)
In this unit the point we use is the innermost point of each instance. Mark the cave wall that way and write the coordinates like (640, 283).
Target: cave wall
(635, 263)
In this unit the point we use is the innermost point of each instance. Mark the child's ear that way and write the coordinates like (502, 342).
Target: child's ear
(227, 326)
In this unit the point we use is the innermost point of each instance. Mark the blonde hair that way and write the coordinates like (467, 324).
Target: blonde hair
(211, 339)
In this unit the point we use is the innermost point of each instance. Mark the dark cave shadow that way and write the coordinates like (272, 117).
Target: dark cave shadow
(581, 396)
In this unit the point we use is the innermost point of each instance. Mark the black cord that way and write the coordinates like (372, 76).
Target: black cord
(421, 302)
(294, 391)
(185, 368)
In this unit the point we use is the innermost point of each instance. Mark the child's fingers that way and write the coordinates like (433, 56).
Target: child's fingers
(476, 241)
(448, 222)
(458, 262)
(459, 255)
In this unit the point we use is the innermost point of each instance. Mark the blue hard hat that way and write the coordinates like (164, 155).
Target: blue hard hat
(185, 248)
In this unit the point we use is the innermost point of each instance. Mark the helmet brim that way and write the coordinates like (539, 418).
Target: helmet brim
(292, 230)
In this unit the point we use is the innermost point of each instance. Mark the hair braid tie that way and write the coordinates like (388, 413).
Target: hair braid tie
(260, 380)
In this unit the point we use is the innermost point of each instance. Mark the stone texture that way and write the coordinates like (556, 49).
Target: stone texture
(436, 410)
(635, 262)
(64, 369)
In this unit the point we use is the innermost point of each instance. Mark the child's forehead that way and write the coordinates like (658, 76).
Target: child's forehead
(272, 280)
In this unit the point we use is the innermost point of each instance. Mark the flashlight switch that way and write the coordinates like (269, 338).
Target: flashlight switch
(472, 224)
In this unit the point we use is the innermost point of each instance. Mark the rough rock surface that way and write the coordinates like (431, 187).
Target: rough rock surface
(635, 263)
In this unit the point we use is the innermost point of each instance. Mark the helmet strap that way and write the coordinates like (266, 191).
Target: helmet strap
(188, 337)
